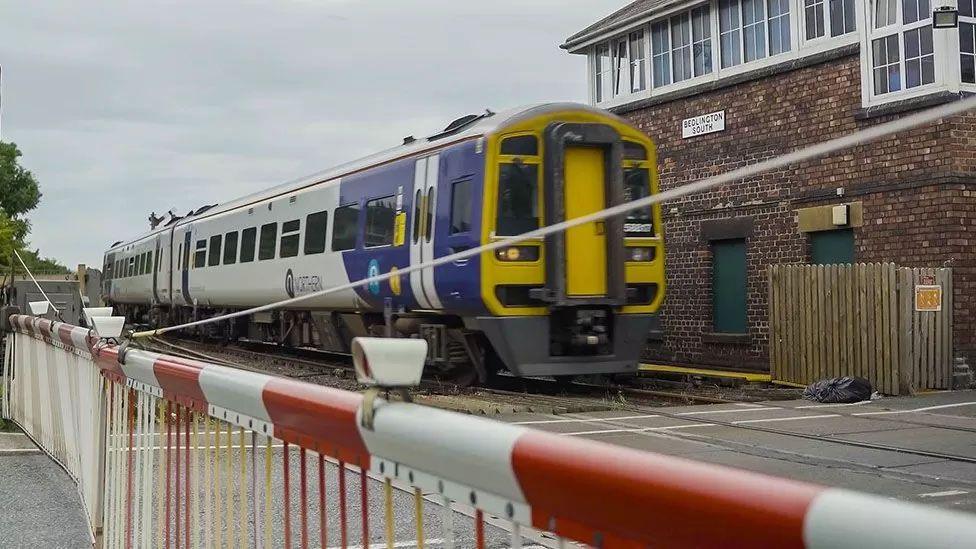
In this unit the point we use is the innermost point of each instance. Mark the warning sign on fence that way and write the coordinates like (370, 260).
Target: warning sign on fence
(928, 297)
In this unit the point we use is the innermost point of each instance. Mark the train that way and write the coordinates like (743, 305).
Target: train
(572, 303)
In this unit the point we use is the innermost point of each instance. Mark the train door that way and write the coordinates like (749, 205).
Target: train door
(422, 235)
(185, 266)
(157, 260)
(586, 245)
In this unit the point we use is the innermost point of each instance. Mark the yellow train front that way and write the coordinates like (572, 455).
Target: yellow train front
(579, 301)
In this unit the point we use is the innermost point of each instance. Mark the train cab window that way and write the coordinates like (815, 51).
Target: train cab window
(416, 217)
(230, 248)
(215, 244)
(290, 232)
(269, 238)
(200, 256)
(315, 227)
(344, 227)
(637, 185)
(521, 145)
(248, 241)
(380, 215)
(518, 198)
(461, 207)
(634, 151)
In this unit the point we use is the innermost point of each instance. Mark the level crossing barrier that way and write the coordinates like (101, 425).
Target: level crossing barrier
(170, 452)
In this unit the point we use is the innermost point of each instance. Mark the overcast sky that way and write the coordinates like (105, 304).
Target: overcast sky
(123, 108)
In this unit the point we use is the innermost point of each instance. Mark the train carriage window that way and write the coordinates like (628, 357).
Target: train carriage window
(141, 264)
(145, 263)
(315, 227)
(518, 198)
(461, 207)
(637, 185)
(416, 218)
(200, 256)
(380, 215)
(230, 248)
(524, 145)
(132, 266)
(150, 268)
(248, 241)
(290, 232)
(344, 227)
(269, 238)
(215, 245)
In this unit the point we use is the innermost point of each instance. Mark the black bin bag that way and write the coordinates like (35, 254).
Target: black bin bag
(839, 390)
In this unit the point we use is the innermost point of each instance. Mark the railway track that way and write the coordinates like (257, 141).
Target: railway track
(548, 395)
(530, 394)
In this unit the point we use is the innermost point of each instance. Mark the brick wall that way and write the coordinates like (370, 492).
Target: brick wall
(916, 190)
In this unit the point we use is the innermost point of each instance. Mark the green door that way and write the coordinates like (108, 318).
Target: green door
(729, 286)
(828, 247)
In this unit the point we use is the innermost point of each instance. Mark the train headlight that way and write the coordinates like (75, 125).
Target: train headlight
(517, 253)
(640, 253)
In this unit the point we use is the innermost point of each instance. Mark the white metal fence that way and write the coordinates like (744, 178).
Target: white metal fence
(175, 453)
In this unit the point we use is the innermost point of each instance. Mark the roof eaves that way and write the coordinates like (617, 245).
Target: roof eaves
(640, 9)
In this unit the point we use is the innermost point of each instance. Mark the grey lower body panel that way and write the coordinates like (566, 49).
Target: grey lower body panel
(522, 342)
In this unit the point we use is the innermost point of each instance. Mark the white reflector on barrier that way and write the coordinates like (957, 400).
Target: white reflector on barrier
(39, 308)
(108, 326)
(96, 311)
(389, 362)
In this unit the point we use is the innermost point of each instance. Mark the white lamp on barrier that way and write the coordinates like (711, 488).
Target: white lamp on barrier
(387, 364)
(39, 308)
(90, 312)
(108, 326)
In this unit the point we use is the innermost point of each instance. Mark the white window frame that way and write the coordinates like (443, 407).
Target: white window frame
(638, 64)
(799, 48)
(969, 86)
(620, 66)
(827, 22)
(945, 56)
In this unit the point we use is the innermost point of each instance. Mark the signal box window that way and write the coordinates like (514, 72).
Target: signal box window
(518, 199)
(380, 216)
(729, 286)
(290, 232)
(230, 248)
(214, 258)
(461, 207)
(248, 241)
(315, 227)
(269, 238)
(344, 230)
(200, 256)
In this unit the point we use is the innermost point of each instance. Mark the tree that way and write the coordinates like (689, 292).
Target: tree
(19, 192)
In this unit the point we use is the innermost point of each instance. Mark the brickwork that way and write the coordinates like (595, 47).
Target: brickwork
(916, 189)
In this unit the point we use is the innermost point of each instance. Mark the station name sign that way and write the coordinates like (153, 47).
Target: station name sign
(700, 125)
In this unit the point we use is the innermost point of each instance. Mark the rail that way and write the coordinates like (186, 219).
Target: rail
(178, 453)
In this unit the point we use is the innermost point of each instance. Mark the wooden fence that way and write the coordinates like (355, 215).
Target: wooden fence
(861, 320)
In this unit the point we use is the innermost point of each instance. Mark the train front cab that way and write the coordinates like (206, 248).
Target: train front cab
(579, 301)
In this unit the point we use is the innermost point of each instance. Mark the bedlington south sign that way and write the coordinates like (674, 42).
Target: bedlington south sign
(700, 125)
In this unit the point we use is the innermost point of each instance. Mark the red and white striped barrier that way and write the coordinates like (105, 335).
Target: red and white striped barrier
(590, 492)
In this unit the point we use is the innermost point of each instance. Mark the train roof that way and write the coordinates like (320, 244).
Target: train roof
(459, 130)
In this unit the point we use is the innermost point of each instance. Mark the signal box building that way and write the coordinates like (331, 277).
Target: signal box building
(721, 84)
